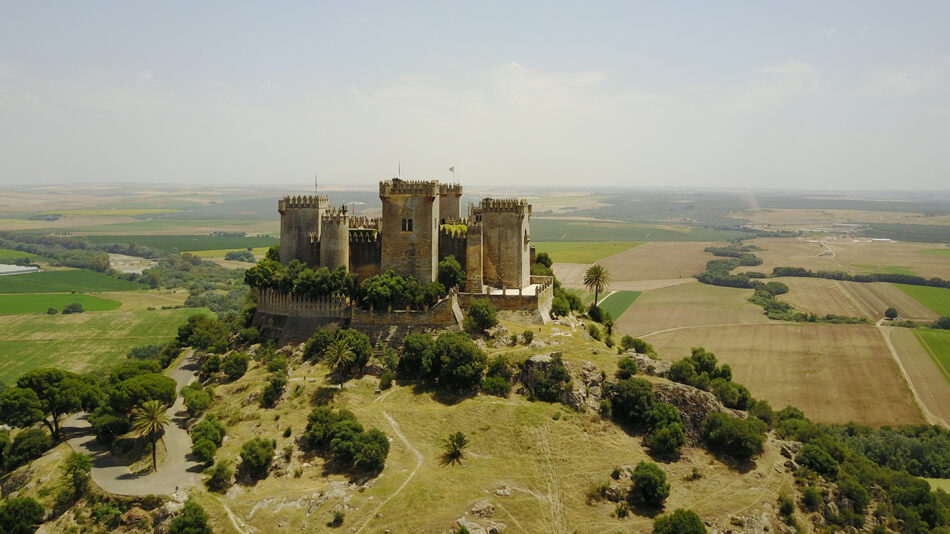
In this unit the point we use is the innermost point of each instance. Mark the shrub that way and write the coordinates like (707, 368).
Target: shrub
(462, 362)
(197, 398)
(481, 315)
(274, 389)
(668, 433)
(891, 313)
(786, 506)
(527, 336)
(649, 488)
(76, 471)
(203, 450)
(560, 307)
(740, 438)
(51, 311)
(942, 323)
(679, 522)
(386, 379)
(632, 400)
(819, 461)
(626, 367)
(256, 456)
(278, 363)
(762, 410)
(336, 519)
(27, 446)
(191, 520)
(318, 343)
(235, 365)
(496, 385)
(20, 515)
(811, 498)
(595, 332)
(209, 428)
(451, 273)
(73, 307)
(595, 313)
(546, 384)
(418, 357)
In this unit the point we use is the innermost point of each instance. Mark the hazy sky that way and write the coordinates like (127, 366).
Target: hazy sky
(717, 94)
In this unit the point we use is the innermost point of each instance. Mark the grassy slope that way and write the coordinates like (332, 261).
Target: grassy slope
(937, 342)
(583, 252)
(79, 280)
(40, 302)
(939, 483)
(8, 255)
(618, 303)
(935, 298)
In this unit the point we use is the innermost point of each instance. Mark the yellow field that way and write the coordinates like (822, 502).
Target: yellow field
(112, 211)
(689, 305)
(853, 299)
(834, 373)
(930, 381)
(854, 257)
(793, 219)
(649, 261)
(219, 253)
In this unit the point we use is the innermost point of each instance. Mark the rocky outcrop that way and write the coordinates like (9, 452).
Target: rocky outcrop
(649, 366)
(587, 391)
(694, 405)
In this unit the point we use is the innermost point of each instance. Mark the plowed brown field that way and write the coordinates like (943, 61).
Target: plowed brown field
(658, 261)
(835, 373)
(854, 299)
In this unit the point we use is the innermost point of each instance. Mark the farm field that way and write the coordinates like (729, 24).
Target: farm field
(657, 261)
(79, 280)
(935, 298)
(834, 373)
(686, 306)
(41, 302)
(944, 252)
(571, 229)
(794, 218)
(583, 252)
(617, 303)
(929, 382)
(854, 299)
(851, 256)
(126, 212)
(939, 483)
(220, 253)
(937, 343)
(187, 243)
(9, 255)
(83, 342)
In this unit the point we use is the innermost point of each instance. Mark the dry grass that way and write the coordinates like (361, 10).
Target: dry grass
(835, 373)
(932, 385)
(793, 219)
(658, 261)
(689, 305)
(854, 299)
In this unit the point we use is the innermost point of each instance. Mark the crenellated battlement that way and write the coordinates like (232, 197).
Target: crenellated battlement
(336, 215)
(450, 189)
(397, 186)
(505, 205)
(362, 221)
(363, 235)
(305, 201)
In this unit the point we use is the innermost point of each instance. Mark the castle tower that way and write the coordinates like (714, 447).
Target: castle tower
(300, 227)
(409, 228)
(506, 239)
(335, 238)
(449, 200)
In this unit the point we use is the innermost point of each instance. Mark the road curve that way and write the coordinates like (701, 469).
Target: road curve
(176, 471)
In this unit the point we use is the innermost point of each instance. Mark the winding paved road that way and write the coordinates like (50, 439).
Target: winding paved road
(175, 472)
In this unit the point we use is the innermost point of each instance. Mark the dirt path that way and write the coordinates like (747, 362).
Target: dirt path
(925, 381)
(174, 472)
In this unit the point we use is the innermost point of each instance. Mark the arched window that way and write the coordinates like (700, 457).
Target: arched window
(404, 225)
(409, 226)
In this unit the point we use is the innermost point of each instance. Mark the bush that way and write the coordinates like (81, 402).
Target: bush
(343, 436)
(418, 357)
(197, 398)
(191, 520)
(819, 461)
(451, 273)
(220, 475)
(595, 313)
(211, 366)
(891, 313)
(274, 389)
(786, 506)
(942, 323)
(386, 379)
(740, 438)
(240, 255)
(649, 488)
(668, 433)
(679, 522)
(527, 336)
(318, 343)
(811, 498)
(496, 385)
(210, 429)
(235, 365)
(20, 515)
(27, 446)
(278, 363)
(595, 332)
(203, 450)
(546, 384)
(481, 315)
(560, 307)
(51, 311)
(626, 367)
(73, 307)
(632, 400)
(462, 362)
(256, 456)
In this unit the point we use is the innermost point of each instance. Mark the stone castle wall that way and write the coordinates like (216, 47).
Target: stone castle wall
(505, 242)
(365, 253)
(335, 239)
(454, 245)
(300, 227)
(413, 249)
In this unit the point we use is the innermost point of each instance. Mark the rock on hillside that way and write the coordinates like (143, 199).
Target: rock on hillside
(585, 389)
(694, 405)
(649, 366)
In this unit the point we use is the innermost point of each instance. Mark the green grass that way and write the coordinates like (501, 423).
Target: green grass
(935, 298)
(583, 252)
(84, 342)
(543, 230)
(9, 255)
(40, 302)
(220, 253)
(937, 343)
(945, 252)
(886, 269)
(939, 483)
(79, 280)
(187, 243)
(618, 303)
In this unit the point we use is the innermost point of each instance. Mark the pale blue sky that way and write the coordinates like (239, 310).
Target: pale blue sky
(837, 95)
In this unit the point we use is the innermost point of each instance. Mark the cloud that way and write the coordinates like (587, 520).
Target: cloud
(911, 80)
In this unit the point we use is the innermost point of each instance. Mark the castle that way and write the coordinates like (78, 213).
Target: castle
(420, 225)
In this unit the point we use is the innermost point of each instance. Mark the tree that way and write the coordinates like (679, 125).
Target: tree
(20, 515)
(679, 522)
(256, 456)
(59, 392)
(203, 450)
(943, 323)
(560, 307)
(128, 394)
(632, 400)
(649, 488)
(209, 428)
(462, 362)
(191, 520)
(76, 470)
(318, 343)
(453, 448)
(891, 313)
(418, 357)
(72, 307)
(626, 367)
(235, 365)
(197, 398)
(481, 315)
(20, 407)
(740, 438)
(220, 475)
(451, 273)
(819, 461)
(26, 446)
(596, 279)
(339, 357)
(544, 259)
(150, 418)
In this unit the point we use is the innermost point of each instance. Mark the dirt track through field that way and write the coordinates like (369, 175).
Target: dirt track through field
(927, 382)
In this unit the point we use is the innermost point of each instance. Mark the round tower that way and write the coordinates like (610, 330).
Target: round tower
(335, 239)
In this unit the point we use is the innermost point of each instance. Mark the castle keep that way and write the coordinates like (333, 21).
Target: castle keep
(421, 224)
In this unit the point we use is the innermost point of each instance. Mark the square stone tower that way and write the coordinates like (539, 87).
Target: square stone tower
(506, 238)
(300, 227)
(410, 228)
(450, 196)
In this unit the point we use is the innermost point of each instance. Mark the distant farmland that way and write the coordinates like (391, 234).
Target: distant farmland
(618, 303)
(935, 298)
(583, 251)
(79, 280)
(187, 243)
(41, 302)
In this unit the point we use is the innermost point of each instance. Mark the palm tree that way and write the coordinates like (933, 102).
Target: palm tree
(338, 357)
(454, 448)
(150, 418)
(596, 279)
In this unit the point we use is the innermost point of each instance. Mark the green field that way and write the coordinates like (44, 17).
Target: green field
(126, 212)
(187, 243)
(40, 302)
(84, 342)
(79, 280)
(937, 343)
(935, 298)
(592, 230)
(939, 483)
(886, 269)
(583, 251)
(219, 253)
(9, 255)
(618, 303)
(945, 252)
